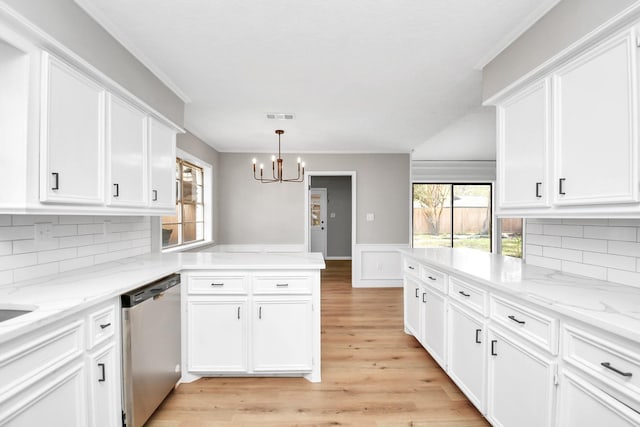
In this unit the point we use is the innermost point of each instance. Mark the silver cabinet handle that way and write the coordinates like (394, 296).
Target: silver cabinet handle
(617, 371)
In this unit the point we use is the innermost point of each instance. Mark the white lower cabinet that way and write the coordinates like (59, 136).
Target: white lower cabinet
(521, 383)
(412, 303)
(217, 335)
(104, 387)
(65, 374)
(252, 323)
(467, 355)
(281, 339)
(435, 325)
(582, 404)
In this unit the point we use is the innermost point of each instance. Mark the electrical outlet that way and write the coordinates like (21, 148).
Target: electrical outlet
(106, 227)
(43, 232)
(370, 217)
(332, 215)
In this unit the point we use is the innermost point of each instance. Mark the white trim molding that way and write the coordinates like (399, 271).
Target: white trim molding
(256, 248)
(377, 265)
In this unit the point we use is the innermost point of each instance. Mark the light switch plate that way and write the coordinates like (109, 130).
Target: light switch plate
(332, 215)
(370, 217)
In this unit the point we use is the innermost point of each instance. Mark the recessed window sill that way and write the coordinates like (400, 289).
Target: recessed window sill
(189, 246)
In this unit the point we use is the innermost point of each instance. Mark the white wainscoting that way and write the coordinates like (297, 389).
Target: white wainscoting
(377, 265)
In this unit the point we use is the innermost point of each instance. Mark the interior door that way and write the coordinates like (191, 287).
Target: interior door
(318, 220)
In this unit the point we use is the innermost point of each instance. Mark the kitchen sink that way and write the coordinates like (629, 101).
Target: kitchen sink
(10, 311)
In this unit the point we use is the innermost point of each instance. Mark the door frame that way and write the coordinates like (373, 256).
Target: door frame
(324, 224)
(307, 187)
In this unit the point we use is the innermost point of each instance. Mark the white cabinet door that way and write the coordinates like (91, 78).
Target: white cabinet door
(104, 387)
(217, 335)
(595, 116)
(466, 356)
(434, 324)
(72, 136)
(281, 334)
(162, 163)
(521, 384)
(57, 400)
(523, 146)
(412, 303)
(126, 154)
(581, 404)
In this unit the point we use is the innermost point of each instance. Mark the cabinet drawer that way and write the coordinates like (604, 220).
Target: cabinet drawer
(24, 362)
(434, 278)
(282, 284)
(411, 267)
(102, 324)
(230, 283)
(615, 365)
(526, 322)
(469, 295)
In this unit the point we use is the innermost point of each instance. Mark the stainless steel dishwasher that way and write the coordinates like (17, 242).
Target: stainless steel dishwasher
(150, 347)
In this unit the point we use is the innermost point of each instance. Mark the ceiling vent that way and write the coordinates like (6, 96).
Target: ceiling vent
(281, 116)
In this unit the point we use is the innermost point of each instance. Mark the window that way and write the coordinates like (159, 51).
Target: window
(511, 237)
(452, 215)
(188, 224)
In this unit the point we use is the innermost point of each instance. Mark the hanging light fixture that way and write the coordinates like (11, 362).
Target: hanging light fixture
(278, 174)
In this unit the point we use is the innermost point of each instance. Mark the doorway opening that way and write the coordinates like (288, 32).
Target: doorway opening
(339, 213)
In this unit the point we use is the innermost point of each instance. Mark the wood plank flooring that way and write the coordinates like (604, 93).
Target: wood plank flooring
(373, 374)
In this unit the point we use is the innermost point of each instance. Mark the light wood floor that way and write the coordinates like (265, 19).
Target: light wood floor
(372, 374)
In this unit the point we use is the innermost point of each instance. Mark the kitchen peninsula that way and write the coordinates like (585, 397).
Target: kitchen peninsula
(253, 314)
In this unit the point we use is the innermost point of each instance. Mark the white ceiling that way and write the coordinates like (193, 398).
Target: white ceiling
(359, 75)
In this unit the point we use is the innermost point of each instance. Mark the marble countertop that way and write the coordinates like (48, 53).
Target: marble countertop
(64, 294)
(610, 306)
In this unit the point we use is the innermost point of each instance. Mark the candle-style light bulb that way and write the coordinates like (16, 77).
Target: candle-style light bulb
(273, 159)
(254, 160)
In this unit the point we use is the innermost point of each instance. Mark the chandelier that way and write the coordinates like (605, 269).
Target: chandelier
(278, 175)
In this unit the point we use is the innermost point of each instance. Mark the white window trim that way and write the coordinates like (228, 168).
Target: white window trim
(207, 178)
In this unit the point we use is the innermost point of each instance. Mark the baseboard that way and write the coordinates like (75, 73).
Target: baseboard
(338, 258)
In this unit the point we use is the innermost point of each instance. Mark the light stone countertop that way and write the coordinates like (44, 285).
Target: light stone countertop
(606, 305)
(67, 293)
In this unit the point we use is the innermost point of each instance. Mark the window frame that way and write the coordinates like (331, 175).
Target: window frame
(492, 230)
(207, 202)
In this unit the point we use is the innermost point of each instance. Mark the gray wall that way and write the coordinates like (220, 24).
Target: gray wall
(196, 147)
(65, 21)
(339, 203)
(563, 25)
(251, 212)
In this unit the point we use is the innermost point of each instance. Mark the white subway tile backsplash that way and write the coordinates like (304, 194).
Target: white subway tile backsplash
(11, 262)
(624, 277)
(624, 248)
(6, 248)
(612, 261)
(78, 241)
(611, 233)
(537, 239)
(565, 254)
(563, 230)
(33, 219)
(592, 245)
(584, 270)
(16, 233)
(35, 271)
(534, 250)
(606, 249)
(45, 257)
(554, 264)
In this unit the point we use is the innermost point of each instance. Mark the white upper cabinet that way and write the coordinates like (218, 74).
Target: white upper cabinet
(72, 136)
(596, 116)
(162, 161)
(523, 146)
(126, 154)
(567, 144)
